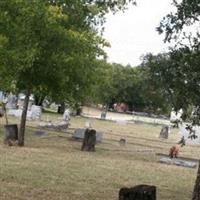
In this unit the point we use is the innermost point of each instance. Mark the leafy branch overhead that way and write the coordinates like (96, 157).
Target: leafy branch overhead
(183, 19)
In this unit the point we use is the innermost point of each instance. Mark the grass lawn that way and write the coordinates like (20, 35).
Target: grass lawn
(54, 168)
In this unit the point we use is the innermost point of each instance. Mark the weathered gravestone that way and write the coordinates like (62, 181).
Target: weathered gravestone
(79, 135)
(122, 142)
(164, 133)
(89, 140)
(103, 115)
(11, 133)
(36, 112)
(139, 192)
(39, 133)
(178, 162)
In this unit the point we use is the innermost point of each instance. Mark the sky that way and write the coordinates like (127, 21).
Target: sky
(133, 33)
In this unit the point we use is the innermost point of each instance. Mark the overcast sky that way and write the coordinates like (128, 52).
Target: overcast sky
(133, 33)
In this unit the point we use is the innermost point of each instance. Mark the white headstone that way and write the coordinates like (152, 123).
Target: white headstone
(66, 115)
(36, 112)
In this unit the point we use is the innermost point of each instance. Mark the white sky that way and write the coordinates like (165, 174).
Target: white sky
(132, 34)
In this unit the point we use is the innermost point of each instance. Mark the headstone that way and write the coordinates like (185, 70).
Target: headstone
(122, 142)
(178, 162)
(11, 101)
(11, 133)
(89, 140)
(39, 133)
(103, 115)
(139, 192)
(164, 133)
(36, 112)
(66, 115)
(79, 135)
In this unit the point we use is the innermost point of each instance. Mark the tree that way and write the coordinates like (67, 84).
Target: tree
(50, 46)
(183, 65)
(38, 52)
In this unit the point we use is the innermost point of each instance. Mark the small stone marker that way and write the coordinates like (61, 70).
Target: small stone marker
(103, 115)
(164, 132)
(139, 192)
(1, 113)
(39, 133)
(79, 135)
(178, 162)
(122, 142)
(89, 140)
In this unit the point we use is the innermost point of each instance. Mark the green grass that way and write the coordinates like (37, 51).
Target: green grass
(54, 168)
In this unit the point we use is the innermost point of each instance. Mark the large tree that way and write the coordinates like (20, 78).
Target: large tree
(50, 46)
(182, 26)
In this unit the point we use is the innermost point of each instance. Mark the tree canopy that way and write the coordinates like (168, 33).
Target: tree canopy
(51, 46)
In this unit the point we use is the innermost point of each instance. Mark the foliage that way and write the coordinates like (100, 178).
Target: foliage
(130, 85)
(181, 73)
(49, 47)
(178, 25)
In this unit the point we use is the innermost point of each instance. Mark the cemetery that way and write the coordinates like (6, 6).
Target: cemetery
(99, 100)
(124, 155)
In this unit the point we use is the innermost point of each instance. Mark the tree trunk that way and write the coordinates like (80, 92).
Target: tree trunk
(196, 191)
(23, 119)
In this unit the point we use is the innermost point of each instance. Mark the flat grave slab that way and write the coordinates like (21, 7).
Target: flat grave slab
(79, 134)
(39, 133)
(178, 162)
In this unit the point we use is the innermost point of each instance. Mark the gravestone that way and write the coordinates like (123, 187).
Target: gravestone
(178, 162)
(164, 133)
(103, 115)
(79, 135)
(122, 142)
(36, 112)
(66, 115)
(11, 101)
(11, 133)
(39, 133)
(139, 192)
(89, 140)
